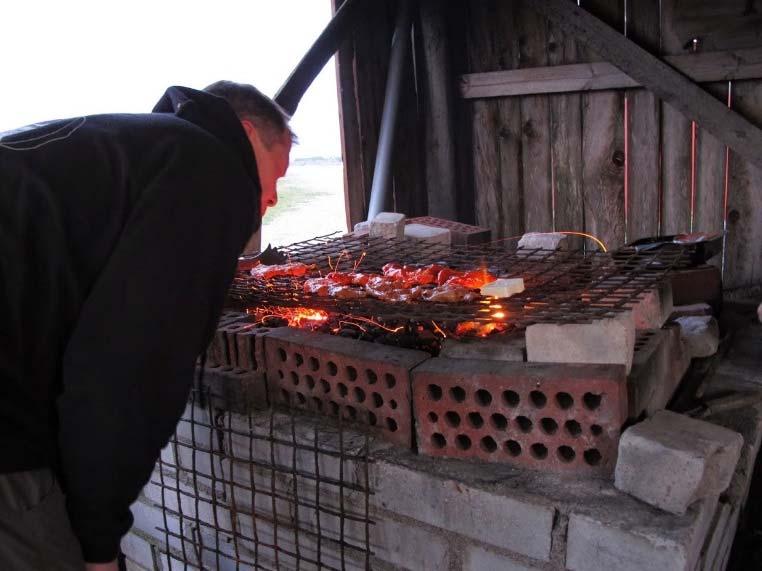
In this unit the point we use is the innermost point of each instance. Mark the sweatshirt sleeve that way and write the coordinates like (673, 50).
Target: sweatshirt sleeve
(128, 366)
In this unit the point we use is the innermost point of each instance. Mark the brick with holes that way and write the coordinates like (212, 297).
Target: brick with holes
(365, 382)
(564, 418)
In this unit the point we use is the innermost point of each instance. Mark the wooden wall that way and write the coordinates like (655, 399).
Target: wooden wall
(618, 164)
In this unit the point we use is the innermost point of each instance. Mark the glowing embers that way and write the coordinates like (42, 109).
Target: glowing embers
(302, 317)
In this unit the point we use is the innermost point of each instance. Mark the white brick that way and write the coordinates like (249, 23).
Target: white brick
(701, 335)
(138, 550)
(390, 225)
(604, 341)
(408, 547)
(498, 520)
(479, 559)
(543, 240)
(594, 543)
(428, 233)
(671, 460)
(654, 308)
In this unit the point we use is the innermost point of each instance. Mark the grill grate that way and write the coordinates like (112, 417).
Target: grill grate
(263, 491)
(560, 286)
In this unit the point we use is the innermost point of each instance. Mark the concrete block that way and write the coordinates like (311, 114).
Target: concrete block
(653, 309)
(606, 341)
(476, 558)
(408, 546)
(671, 460)
(505, 522)
(428, 234)
(543, 241)
(596, 542)
(495, 348)
(389, 225)
(658, 365)
(544, 416)
(236, 390)
(701, 335)
(362, 228)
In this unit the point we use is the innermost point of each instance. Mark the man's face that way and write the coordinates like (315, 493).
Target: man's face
(272, 165)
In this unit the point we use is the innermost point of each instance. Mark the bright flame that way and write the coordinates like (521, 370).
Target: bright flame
(498, 315)
(296, 316)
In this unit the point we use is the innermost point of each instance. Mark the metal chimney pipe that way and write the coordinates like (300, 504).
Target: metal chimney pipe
(382, 172)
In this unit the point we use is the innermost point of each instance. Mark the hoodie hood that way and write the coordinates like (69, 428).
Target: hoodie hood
(213, 114)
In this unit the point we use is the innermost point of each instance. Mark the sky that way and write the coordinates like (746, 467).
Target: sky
(81, 57)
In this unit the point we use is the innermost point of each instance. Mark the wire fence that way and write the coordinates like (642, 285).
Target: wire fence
(263, 490)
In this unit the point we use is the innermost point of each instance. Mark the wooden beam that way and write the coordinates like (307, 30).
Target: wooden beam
(667, 83)
(700, 67)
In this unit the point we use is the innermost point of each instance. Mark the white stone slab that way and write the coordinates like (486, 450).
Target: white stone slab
(428, 233)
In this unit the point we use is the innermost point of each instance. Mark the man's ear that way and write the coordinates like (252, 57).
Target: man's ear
(248, 126)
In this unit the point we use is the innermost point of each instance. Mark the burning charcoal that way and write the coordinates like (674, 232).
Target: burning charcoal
(274, 321)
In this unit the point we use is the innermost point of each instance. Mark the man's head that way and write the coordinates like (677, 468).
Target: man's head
(266, 126)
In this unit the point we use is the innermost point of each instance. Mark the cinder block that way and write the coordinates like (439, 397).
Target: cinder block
(658, 365)
(476, 558)
(653, 309)
(543, 241)
(407, 546)
(428, 234)
(505, 522)
(596, 542)
(701, 335)
(364, 382)
(495, 348)
(671, 460)
(605, 341)
(389, 225)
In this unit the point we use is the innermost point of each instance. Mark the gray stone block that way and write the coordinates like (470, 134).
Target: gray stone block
(604, 341)
(390, 225)
(701, 335)
(595, 543)
(671, 460)
(476, 558)
(505, 522)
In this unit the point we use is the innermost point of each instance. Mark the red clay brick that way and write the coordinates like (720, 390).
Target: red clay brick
(365, 382)
(551, 417)
(462, 234)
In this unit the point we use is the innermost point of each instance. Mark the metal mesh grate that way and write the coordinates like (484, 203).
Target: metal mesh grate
(560, 286)
(263, 491)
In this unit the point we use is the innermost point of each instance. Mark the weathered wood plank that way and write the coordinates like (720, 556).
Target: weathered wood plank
(644, 113)
(743, 265)
(710, 175)
(505, 34)
(566, 144)
(535, 129)
(725, 25)
(482, 54)
(603, 148)
(437, 92)
(676, 140)
(355, 199)
(597, 76)
(671, 86)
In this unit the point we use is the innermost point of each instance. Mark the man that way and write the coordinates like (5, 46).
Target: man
(119, 236)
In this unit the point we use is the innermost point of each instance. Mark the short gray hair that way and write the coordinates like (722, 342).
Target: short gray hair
(250, 104)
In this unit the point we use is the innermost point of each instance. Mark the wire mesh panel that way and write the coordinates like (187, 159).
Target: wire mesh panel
(263, 490)
(560, 286)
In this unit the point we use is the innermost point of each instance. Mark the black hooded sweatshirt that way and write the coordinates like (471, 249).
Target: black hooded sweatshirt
(118, 240)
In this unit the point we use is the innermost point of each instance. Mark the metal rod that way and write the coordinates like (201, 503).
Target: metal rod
(382, 171)
(329, 40)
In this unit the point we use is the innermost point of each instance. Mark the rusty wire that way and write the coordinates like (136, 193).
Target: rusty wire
(209, 523)
(560, 286)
